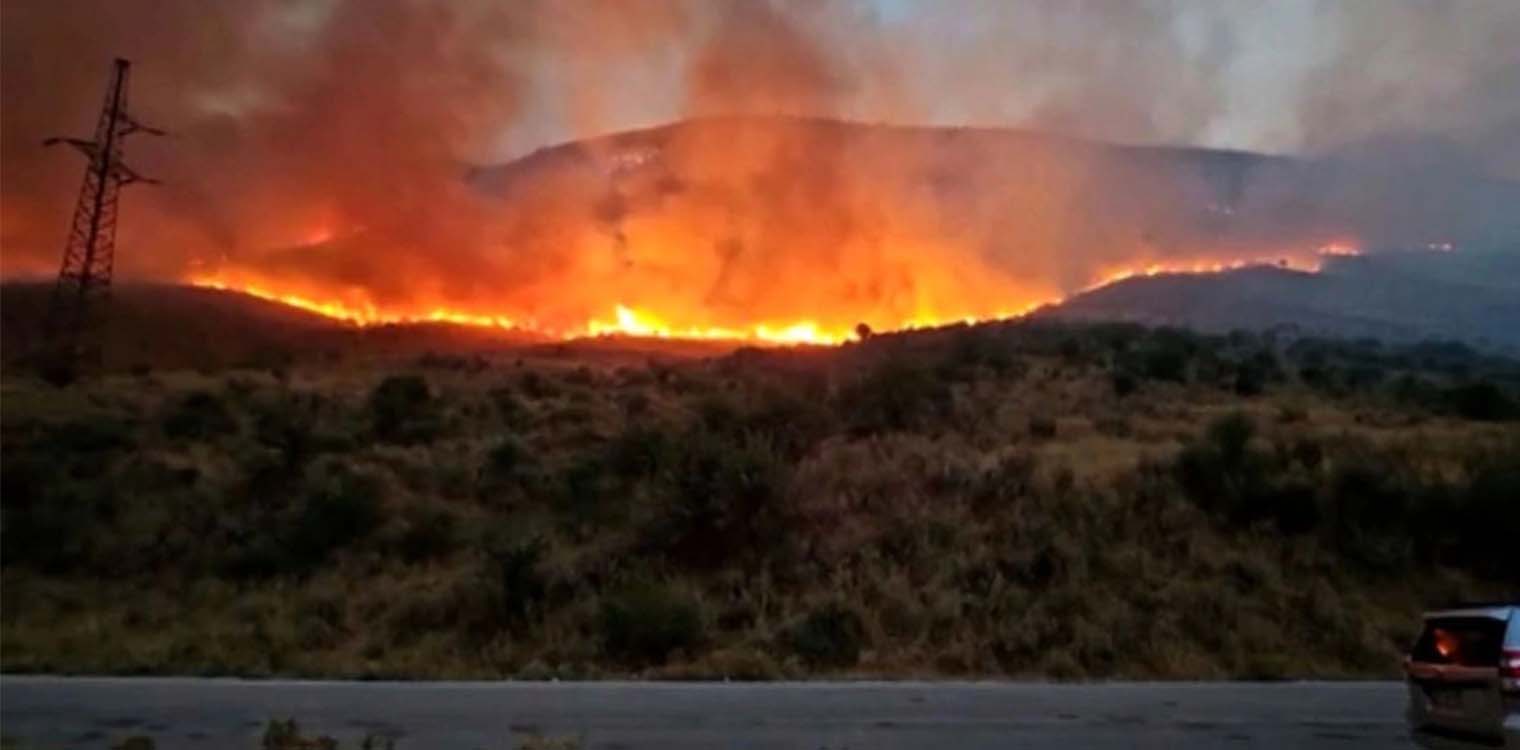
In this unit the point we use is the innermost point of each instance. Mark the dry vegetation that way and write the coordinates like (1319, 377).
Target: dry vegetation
(1025, 500)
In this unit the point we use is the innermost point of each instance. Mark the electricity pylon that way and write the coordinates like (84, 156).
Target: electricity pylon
(84, 279)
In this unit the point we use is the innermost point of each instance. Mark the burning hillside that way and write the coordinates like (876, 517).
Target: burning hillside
(322, 159)
(798, 231)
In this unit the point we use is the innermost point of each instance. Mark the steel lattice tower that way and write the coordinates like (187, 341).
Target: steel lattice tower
(84, 279)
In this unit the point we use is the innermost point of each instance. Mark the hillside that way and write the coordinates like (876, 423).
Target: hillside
(168, 326)
(1029, 499)
(1390, 296)
(1165, 199)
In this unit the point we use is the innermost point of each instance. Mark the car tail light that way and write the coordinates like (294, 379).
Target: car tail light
(1509, 670)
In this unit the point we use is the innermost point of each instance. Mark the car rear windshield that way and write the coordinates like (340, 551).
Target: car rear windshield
(1465, 641)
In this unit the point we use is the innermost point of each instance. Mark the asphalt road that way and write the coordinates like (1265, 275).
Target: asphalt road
(47, 712)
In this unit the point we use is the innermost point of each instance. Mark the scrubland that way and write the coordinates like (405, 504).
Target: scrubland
(1024, 500)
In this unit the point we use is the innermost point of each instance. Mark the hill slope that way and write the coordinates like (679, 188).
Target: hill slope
(1392, 296)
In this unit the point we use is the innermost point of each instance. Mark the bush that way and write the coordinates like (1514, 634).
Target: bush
(198, 416)
(644, 623)
(1249, 381)
(430, 533)
(514, 578)
(725, 500)
(507, 459)
(1042, 428)
(1483, 401)
(1166, 355)
(828, 637)
(1230, 435)
(1125, 383)
(1492, 515)
(400, 409)
(979, 346)
(343, 508)
(897, 395)
(77, 438)
(51, 529)
(641, 451)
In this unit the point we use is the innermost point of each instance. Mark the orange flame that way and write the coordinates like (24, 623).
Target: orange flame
(355, 307)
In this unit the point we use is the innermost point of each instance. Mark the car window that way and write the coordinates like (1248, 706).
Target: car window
(1465, 641)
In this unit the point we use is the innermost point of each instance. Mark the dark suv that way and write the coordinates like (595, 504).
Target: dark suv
(1464, 677)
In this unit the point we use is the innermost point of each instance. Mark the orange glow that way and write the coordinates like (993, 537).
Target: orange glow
(1446, 643)
(356, 307)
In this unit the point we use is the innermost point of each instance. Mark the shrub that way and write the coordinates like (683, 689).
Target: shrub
(1043, 428)
(645, 622)
(979, 346)
(514, 577)
(51, 527)
(538, 386)
(585, 484)
(725, 499)
(1166, 355)
(510, 408)
(1230, 435)
(1371, 505)
(1125, 383)
(897, 395)
(198, 416)
(507, 459)
(1249, 381)
(429, 533)
(828, 637)
(1483, 401)
(641, 451)
(1490, 518)
(77, 438)
(788, 420)
(343, 508)
(399, 406)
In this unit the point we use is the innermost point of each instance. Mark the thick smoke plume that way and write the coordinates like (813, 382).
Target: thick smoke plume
(338, 150)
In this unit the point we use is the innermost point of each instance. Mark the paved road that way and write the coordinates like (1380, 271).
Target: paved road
(50, 712)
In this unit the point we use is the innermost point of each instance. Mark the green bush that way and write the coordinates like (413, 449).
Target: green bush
(400, 407)
(645, 622)
(829, 637)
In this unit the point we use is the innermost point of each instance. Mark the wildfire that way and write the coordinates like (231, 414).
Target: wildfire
(356, 308)
(1306, 264)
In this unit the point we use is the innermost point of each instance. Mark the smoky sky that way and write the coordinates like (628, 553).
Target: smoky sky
(290, 115)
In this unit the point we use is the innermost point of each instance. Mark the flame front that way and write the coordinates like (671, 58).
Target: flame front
(358, 309)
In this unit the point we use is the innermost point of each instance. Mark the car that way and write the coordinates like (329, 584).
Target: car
(1463, 676)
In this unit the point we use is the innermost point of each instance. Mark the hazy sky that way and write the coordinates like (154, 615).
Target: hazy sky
(1235, 74)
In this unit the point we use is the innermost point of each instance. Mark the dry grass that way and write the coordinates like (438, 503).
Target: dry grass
(1018, 520)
